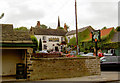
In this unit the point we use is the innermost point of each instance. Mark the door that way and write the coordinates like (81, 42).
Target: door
(56, 48)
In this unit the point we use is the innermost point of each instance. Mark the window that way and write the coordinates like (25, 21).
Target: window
(45, 46)
(44, 38)
(53, 39)
(61, 39)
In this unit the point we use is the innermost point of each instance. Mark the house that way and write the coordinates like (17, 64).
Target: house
(110, 41)
(113, 41)
(51, 38)
(72, 33)
(16, 46)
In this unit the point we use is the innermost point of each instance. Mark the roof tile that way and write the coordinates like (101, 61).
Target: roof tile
(55, 32)
(79, 30)
(8, 34)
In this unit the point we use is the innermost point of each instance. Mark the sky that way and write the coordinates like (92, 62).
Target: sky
(95, 13)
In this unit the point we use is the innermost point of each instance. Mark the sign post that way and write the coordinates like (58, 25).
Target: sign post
(96, 38)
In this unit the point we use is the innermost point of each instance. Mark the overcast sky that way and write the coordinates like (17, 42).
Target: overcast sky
(96, 13)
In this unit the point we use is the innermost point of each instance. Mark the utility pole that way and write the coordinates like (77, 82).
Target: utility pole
(76, 27)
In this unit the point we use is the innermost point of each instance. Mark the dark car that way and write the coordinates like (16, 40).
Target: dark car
(110, 63)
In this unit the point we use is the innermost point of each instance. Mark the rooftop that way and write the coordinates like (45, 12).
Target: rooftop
(8, 34)
(79, 30)
(106, 31)
(54, 32)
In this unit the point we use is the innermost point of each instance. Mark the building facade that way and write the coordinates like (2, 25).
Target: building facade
(51, 38)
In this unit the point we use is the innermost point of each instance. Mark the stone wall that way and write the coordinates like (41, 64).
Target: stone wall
(49, 68)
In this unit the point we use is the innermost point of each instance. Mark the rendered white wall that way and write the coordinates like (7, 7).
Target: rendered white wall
(49, 44)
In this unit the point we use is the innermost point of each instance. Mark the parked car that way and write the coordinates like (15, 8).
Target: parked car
(102, 59)
(110, 63)
(80, 53)
(73, 53)
(43, 51)
(88, 54)
(108, 54)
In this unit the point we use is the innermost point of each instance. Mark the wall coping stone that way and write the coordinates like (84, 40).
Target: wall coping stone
(61, 58)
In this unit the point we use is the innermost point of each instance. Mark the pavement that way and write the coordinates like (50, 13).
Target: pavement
(106, 76)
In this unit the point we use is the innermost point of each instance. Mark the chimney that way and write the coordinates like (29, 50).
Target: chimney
(38, 23)
(65, 27)
(31, 31)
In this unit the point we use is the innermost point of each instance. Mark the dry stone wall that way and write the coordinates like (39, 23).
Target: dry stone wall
(50, 68)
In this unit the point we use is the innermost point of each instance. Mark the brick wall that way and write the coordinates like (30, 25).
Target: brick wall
(49, 68)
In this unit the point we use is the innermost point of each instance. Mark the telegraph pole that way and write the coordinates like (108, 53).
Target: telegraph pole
(76, 27)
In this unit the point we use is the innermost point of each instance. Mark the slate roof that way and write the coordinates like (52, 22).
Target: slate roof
(79, 30)
(54, 32)
(116, 37)
(8, 34)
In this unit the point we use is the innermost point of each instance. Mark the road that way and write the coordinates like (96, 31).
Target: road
(110, 76)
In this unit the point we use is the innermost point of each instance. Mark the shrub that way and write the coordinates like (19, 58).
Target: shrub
(35, 41)
(118, 28)
(40, 45)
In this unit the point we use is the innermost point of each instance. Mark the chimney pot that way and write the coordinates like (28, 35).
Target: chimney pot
(65, 27)
(38, 23)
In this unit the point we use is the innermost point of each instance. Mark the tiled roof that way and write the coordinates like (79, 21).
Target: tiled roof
(106, 31)
(8, 34)
(54, 32)
(103, 32)
(79, 30)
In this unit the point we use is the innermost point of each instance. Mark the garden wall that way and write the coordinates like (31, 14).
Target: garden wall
(52, 68)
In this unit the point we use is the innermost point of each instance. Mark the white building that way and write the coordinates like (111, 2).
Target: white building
(51, 38)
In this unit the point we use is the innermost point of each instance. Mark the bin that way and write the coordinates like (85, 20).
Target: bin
(20, 71)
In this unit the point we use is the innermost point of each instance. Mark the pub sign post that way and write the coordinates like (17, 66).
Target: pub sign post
(96, 37)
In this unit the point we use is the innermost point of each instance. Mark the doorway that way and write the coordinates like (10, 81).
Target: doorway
(56, 48)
